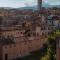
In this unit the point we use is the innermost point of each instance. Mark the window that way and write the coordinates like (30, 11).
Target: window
(30, 47)
(37, 34)
(21, 32)
(43, 28)
(14, 45)
(20, 53)
(24, 50)
(59, 43)
(18, 32)
(10, 46)
(42, 33)
(34, 34)
(5, 46)
(25, 42)
(29, 41)
(6, 56)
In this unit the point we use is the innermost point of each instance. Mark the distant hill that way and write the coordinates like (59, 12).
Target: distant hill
(28, 8)
(46, 5)
(6, 8)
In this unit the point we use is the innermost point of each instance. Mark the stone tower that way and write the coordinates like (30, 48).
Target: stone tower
(39, 4)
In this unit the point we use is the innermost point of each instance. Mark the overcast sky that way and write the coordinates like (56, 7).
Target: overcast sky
(52, 2)
(22, 3)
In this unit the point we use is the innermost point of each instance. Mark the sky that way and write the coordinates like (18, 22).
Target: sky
(23, 3)
(52, 2)
(17, 3)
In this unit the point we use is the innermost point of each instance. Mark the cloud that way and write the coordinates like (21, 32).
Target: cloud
(17, 3)
(23, 3)
(52, 2)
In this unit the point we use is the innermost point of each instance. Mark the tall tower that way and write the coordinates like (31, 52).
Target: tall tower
(39, 4)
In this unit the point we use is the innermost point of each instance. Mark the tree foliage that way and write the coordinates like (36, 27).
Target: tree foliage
(51, 49)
